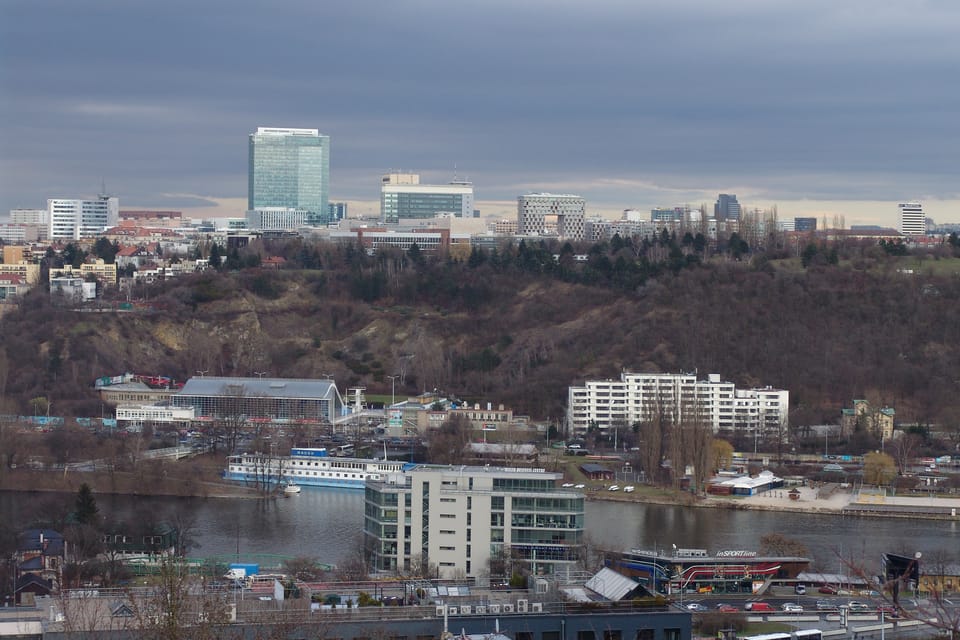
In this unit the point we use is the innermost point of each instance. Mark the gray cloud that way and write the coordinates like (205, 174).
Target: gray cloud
(634, 102)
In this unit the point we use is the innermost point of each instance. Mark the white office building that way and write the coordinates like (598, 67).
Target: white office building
(75, 219)
(677, 398)
(29, 216)
(912, 220)
(402, 197)
(554, 215)
(277, 219)
(457, 518)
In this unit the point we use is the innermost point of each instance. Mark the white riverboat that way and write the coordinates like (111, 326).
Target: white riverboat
(308, 467)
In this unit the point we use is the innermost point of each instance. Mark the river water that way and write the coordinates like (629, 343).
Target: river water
(327, 524)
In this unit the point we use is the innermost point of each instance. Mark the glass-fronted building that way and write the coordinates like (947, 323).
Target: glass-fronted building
(275, 399)
(464, 519)
(402, 197)
(290, 168)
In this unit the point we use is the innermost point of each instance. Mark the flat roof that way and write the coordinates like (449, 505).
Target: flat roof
(259, 387)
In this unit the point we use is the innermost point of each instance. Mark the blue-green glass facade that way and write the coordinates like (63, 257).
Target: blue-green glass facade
(290, 168)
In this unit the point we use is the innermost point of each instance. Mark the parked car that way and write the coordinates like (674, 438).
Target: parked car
(828, 589)
(791, 607)
(800, 590)
(758, 606)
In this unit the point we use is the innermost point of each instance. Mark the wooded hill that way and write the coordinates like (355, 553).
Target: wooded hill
(519, 325)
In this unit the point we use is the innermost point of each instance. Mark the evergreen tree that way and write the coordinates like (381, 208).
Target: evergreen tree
(86, 506)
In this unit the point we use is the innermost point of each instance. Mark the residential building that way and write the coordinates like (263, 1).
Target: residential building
(290, 168)
(726, 207)
(29, 271)
(147, 218)
(804, 224)
(912, 220)
(459, 518)
(12, 287)
(878, 421)
(76, 219)
(548, 214)
(72, 289)
(41, 553)
(402, 197)
(105, 272)
(676, 398)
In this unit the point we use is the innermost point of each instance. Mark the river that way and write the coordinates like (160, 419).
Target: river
(327, 524)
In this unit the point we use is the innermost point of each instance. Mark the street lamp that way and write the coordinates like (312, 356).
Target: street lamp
(260, 374)
(393, 389)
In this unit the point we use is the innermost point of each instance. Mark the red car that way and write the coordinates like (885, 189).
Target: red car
(727, 608)
(828, 589)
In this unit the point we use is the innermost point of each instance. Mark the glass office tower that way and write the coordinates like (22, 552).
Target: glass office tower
(290, 168)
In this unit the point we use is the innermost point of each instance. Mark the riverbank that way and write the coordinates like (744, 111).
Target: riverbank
(198, 478)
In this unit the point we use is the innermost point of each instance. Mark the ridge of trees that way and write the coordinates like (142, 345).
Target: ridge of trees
(520, 323)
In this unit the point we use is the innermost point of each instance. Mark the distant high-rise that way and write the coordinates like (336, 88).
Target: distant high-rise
(75, 219)
(912, 220)
(290, 168)
(726, 207)
(403, 197)
(804, 224)
(548, 214)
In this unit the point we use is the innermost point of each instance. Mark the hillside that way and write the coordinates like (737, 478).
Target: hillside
(518, 333)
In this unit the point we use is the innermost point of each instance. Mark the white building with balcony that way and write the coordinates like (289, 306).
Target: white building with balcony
(676, 398)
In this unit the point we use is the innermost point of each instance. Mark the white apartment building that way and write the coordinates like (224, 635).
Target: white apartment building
(912, 220)
(75, 219)
(548, 214)
(457, 518)
(676, 398)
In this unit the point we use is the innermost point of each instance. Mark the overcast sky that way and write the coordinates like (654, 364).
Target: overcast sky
(819, 106)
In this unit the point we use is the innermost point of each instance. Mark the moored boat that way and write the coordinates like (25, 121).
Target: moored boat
(308, 467)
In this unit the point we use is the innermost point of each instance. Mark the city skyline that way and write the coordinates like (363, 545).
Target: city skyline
(824, 110)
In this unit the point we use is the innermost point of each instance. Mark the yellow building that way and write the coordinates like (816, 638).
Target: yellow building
(106, 273)
(863, 416)
(29, 272)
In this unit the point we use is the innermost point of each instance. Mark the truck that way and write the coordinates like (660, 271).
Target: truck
(241, 571)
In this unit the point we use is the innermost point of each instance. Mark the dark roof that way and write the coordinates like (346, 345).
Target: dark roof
(30, 540)
(592, 467)
(35, 581)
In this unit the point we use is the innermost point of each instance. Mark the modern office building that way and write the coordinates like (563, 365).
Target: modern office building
(75, 219)
(28, 216)
(912, 220)
(402, 197)
(548, 214)
(337, 210)
(677, 398)
(290, 168)
(804, 225)
(276, 219)
(726, 207)
(458, 518)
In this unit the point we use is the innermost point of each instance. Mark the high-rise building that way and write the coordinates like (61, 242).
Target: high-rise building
(403, 197)
(726, 207)
(461, 517)
(290, 168)
(75, 219)
(548, 214)
(338, 211)
(804, 224)
(912, 220)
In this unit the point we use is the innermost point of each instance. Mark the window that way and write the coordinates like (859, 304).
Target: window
(616, 634)
(588, 634)
(671, 634)
(645, 634)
